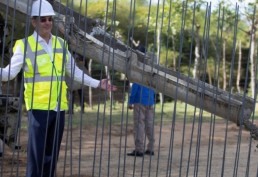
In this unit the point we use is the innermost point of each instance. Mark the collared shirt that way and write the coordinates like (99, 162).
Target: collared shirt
(17, 61)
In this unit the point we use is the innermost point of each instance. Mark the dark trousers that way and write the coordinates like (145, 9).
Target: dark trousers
(45, 133)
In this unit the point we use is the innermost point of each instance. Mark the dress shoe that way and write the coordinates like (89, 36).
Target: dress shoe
(148, 152)
(135, 153)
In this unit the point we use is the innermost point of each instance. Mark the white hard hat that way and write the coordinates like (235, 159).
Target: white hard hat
(42, 8)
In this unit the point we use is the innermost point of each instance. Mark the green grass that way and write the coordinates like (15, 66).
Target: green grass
(118, 114)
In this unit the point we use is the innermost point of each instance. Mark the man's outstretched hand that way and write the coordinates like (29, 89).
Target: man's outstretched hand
(105, 85)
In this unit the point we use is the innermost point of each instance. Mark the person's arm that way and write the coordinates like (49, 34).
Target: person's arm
(16, 63)
(78, 75)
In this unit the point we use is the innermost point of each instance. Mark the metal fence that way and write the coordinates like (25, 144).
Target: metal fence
(200, 58)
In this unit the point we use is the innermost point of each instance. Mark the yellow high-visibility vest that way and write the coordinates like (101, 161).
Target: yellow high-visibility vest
(44, 78)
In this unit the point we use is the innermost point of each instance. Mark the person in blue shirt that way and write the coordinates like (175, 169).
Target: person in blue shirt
(142, 100)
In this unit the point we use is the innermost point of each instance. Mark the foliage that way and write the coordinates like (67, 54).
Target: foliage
(174, 23)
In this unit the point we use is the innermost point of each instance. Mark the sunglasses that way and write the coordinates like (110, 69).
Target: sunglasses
(45, 19)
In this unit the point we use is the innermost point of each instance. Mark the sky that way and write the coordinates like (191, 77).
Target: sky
(240, 2)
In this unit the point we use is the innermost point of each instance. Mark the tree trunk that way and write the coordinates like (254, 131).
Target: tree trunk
(161, 97)
(108, 77)
(174, 49)
(209, 74)
(197, 53)
(239, 68)
(253, 61)
(224, 66)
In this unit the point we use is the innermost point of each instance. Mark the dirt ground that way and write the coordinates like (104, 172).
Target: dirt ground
(220, 150)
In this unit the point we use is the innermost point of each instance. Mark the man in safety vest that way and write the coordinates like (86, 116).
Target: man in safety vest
(45, 60)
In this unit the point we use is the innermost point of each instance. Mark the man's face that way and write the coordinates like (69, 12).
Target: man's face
(43, 25)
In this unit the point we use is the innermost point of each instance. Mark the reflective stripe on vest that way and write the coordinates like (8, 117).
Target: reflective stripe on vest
(42, 79)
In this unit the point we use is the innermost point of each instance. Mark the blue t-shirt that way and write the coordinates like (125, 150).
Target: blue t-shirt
(141, 94)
